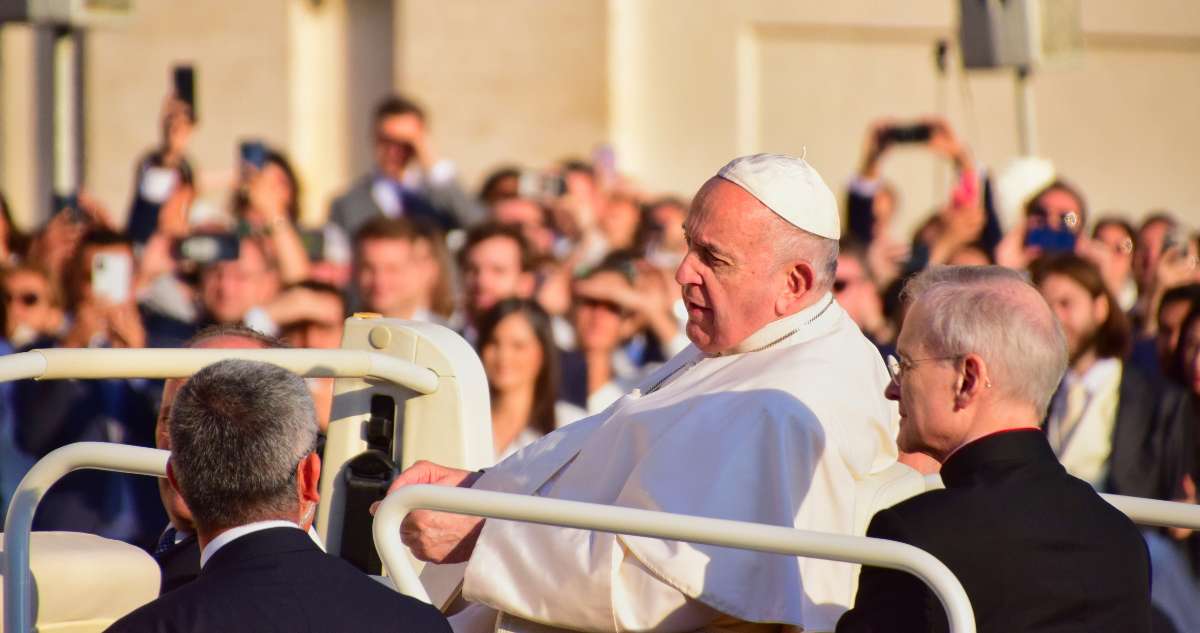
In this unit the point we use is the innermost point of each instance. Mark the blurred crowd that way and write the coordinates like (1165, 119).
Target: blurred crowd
(562, 277)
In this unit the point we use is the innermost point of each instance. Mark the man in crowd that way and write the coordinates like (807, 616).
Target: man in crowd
(409, 180)
(977, 361)
(496, 263)
(751, 423)
(260, 571)
(390, 277)
(1109, 424)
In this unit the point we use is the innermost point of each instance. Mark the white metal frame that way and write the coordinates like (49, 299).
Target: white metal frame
(18, 582)
(576, 514)
(18, 613)
(181, 363)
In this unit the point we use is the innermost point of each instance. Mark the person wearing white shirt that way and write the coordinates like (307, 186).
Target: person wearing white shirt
(771, 415)
(516, 345)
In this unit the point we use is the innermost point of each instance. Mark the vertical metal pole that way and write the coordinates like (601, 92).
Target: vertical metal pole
(1026, 123)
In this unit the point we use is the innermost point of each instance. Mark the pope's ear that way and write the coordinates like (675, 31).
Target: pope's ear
(799, 281)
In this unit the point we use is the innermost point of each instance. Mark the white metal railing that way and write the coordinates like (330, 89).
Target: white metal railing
(752, 536)
(1155, 513)
(18, 605)
(18, 583)
(181, 363)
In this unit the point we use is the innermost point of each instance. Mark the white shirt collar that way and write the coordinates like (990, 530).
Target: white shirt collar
(783, 327)
(1102, 373)
(232, 534)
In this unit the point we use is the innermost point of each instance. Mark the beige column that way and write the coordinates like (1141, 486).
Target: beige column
(316, 63)
(25, 128)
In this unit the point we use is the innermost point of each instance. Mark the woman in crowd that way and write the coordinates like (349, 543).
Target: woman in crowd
(521, 362)
(32, 308)
(268, 204)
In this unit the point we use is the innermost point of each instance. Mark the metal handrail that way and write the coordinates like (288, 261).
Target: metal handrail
(18, 582)
(180, 363)
(18, 605)
(593, 516)
(1156, 513)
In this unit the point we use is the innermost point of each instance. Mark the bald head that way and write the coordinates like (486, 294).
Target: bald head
(993, 312)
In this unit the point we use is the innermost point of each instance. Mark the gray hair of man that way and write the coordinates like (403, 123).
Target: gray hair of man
(792, 243)
(994, 312)
(239, 430)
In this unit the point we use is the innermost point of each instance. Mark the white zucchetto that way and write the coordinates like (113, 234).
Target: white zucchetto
(791, 188)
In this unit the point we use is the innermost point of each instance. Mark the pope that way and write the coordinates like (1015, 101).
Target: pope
(770, 416)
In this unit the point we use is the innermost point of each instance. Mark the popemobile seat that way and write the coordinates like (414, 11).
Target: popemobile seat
(882, 490)
(83, 582)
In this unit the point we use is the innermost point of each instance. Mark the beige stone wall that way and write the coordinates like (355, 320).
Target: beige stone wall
(678, 86)
(240, 50)
(698, 81)
(507, 80)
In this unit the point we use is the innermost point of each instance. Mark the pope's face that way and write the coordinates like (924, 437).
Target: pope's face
(728, 278)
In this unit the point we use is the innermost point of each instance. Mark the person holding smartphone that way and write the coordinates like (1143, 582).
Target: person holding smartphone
(103, 312)
(267, 205)
(162, 170)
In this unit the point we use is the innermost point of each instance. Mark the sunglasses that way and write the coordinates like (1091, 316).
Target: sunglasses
(27, 299)
(394, 142)
(597, 303)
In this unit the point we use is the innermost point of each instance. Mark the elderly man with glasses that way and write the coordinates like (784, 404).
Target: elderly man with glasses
(978, 359)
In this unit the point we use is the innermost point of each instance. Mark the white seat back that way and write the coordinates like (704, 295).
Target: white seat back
(451, 426)
(83, 583)
(881, 490)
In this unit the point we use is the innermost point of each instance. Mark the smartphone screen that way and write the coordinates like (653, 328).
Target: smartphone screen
(254, 153)
(157, 184)
(112, 276)
(184, 82)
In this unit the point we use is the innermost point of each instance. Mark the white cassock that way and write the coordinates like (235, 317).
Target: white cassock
(777, 431)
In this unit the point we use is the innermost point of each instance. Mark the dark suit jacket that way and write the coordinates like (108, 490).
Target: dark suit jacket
(356, 207)
(1037, 550)
(54, 413)
(179, 564)
(1150, 445)
(277, 580)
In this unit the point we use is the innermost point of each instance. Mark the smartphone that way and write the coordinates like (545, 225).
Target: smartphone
(254, 153)
(314, 244)
(69, 204)
(919, 133)
(1051, 240)
(208, 249)
(183, 79)
(158, 183)
(112, 276)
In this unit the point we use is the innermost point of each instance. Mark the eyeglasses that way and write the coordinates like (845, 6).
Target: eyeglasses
(897, 367)
(27, 299)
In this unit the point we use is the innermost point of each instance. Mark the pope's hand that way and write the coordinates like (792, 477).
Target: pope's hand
(438, 537)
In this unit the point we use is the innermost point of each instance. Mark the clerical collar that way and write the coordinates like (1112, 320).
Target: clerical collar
(780, 329)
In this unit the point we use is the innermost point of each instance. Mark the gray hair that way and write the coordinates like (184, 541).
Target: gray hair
(981, 310)
(239, 429)
(791, 243)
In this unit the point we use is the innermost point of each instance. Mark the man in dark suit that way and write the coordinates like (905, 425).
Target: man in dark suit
(429, 193)
(1036, 550)
(178, 552)
(243, 437)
